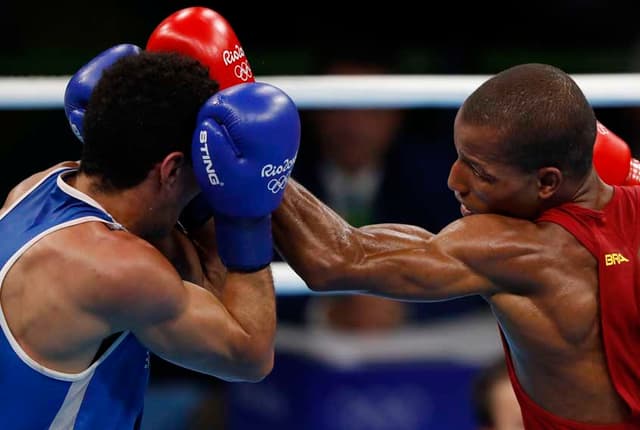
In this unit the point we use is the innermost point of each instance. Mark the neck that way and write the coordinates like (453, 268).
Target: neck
(136, 208)
(591, 192)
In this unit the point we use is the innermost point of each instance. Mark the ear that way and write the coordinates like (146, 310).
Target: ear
(549, 181)
(170, 167)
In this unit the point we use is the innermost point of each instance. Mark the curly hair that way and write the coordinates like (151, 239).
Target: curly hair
(144, 107)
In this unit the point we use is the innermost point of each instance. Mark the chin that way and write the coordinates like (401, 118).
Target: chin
(464, 211)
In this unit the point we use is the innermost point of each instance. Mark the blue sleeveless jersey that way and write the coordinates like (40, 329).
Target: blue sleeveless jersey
(107, 395)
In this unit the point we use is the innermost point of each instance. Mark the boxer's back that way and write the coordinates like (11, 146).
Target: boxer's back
(573, 350)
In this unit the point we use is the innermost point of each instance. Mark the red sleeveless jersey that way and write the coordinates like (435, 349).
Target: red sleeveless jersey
(613, 237)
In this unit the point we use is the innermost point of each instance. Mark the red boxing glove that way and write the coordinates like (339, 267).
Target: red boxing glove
(205, 35)
(612, 159)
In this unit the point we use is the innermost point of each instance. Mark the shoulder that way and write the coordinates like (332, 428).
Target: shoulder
(503, 234)
(125, 279)
(32, 180)
(509, 251)
(486, 230)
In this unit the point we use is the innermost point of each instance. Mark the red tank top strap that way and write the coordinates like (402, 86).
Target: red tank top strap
(578, 221)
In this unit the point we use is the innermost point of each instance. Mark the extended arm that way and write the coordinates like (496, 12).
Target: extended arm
(391, 260)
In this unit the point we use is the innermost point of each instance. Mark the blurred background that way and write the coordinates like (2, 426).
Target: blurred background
(343, 362)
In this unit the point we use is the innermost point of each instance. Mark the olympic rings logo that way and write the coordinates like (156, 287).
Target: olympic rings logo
(277, 184)
(243, 71)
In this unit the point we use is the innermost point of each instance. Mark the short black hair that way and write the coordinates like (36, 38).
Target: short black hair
(543, 117)
(481, 387)
(143, 107)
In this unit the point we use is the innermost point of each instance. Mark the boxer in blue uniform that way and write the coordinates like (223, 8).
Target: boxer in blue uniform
(95, 268)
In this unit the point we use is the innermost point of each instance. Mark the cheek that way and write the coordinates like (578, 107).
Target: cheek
(504, 194)
(490, 196)
(486, 198)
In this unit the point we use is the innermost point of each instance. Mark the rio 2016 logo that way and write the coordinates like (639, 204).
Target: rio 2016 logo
(269, 170)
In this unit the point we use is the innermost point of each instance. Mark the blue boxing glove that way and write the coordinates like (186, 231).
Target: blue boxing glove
(82, 83)
(244, 147)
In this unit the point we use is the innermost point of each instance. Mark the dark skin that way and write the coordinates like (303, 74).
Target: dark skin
(77, 286)
(540, 282)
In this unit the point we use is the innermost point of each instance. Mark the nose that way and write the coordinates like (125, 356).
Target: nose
(455, 182)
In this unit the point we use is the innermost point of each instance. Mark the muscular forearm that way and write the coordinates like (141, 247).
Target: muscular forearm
(230, 336)
(250, 300)
(311, 237)
(194, 255)
(329, 254)
(242, 294)
(208, 262)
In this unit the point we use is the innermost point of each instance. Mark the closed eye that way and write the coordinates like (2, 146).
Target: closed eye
(480, 173)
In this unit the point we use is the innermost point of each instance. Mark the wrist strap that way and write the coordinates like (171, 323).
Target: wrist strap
(244, 244)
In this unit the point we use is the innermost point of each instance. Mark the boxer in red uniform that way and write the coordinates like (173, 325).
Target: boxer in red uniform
(551, 247)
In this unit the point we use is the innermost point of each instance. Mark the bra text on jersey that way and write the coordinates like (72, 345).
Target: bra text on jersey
(614, 258)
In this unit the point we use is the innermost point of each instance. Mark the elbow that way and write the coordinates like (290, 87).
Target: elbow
(262, 360)
(260, 369)
(330, 274)
(253, 357)
(253, 367)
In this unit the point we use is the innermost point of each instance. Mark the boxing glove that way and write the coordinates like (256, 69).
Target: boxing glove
(244, 147)
(612, 159)
(205, 35)
(82, 83)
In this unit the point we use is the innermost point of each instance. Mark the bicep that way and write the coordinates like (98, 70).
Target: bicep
(178, 320)
(198, 332)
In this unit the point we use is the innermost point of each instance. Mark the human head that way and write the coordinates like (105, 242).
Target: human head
(493, 401)
(357, 138)
(524, 140)
(143, 108)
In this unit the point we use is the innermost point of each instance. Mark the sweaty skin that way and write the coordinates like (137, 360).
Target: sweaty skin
(78, 286)
(540, 282)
